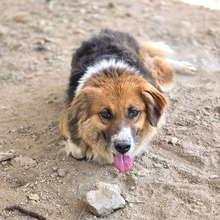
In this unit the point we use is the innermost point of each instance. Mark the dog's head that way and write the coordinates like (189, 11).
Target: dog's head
(119, 113)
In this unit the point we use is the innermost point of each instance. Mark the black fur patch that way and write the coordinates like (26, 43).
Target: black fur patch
(74, 133)
(107, 45)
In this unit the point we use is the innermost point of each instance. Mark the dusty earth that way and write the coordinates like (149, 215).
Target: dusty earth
(177, 178)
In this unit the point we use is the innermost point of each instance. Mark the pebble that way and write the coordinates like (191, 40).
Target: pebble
(4, 163)
(214, 176)
(6, 155)
(217, 109)
(186, 24)
(157, 165)
(142, 173)
(208, 108)
(211, 32)
(23, 162)
(111, 5)
(22, 17)
(172, 140)
(14, 218)
(105, 199)
(131, 205)
(61, 172)
(34, 197)
(3, 31)
(40, 48)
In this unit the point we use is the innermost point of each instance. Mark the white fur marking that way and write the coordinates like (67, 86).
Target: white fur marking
(98, 67)
(123, 135)
(74, 150)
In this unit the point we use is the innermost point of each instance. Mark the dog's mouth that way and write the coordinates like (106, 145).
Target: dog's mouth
(123, 162)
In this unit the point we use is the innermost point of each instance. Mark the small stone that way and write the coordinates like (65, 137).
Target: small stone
(105, 199)
(23, 162)
(111, 5)
(22, 17)
(48, 40)
(214, 176)
(41, 48)
(55, 169)
(79, 31)
(186, 24)
(131, 205)
(159, 166)
(4, 163)
(142, 173)
(13, 218)
(34, 197)
(6, 155)
(172, 140)
(133, 188)
(211, 32)
(217, 109)
(3, 31)
(208, 108)
(61, 172)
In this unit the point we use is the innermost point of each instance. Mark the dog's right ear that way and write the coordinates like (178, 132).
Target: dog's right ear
(80, 107)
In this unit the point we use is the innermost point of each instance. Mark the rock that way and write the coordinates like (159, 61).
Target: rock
(22, 17)
(143, 173)
(159, 166)
(3, 31)
(131, 205)
(4, 163)
(61, 172)
(105, 199)
(186, 24)
(13, 218)
(40, 48)
(111, 5)
(6, 155)
(23, 162)
(211, 32)
(172, 140)
(34, 197)
(217, 109)
(79, 31)
(214, 176)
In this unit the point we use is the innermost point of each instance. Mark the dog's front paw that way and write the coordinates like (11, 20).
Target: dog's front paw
(89, 154)
(75, 151)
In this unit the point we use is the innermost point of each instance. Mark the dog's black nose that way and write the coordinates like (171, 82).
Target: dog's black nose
(122, 147)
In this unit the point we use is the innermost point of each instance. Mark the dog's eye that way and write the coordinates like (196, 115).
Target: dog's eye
(133, 113)
(105, 115)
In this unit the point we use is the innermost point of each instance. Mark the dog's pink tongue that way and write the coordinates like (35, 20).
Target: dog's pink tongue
(123, 162)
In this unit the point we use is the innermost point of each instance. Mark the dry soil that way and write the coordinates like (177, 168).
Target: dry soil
(177, 178)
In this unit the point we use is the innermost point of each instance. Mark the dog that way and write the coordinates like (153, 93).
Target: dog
(115, 101)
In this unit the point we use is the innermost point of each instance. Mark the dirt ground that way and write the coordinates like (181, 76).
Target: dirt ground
(177, 178)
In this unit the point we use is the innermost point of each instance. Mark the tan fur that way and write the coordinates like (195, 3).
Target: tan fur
(161, 71)
(63, 122)
(157, 49)
(117, 93)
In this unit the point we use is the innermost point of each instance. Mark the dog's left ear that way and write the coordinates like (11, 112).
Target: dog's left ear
(155, 103)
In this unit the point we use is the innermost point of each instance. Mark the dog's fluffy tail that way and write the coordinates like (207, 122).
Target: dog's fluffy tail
(159, 49)
(162, 50)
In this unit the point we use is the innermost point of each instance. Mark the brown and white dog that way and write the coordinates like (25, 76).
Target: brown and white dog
(115, 100)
